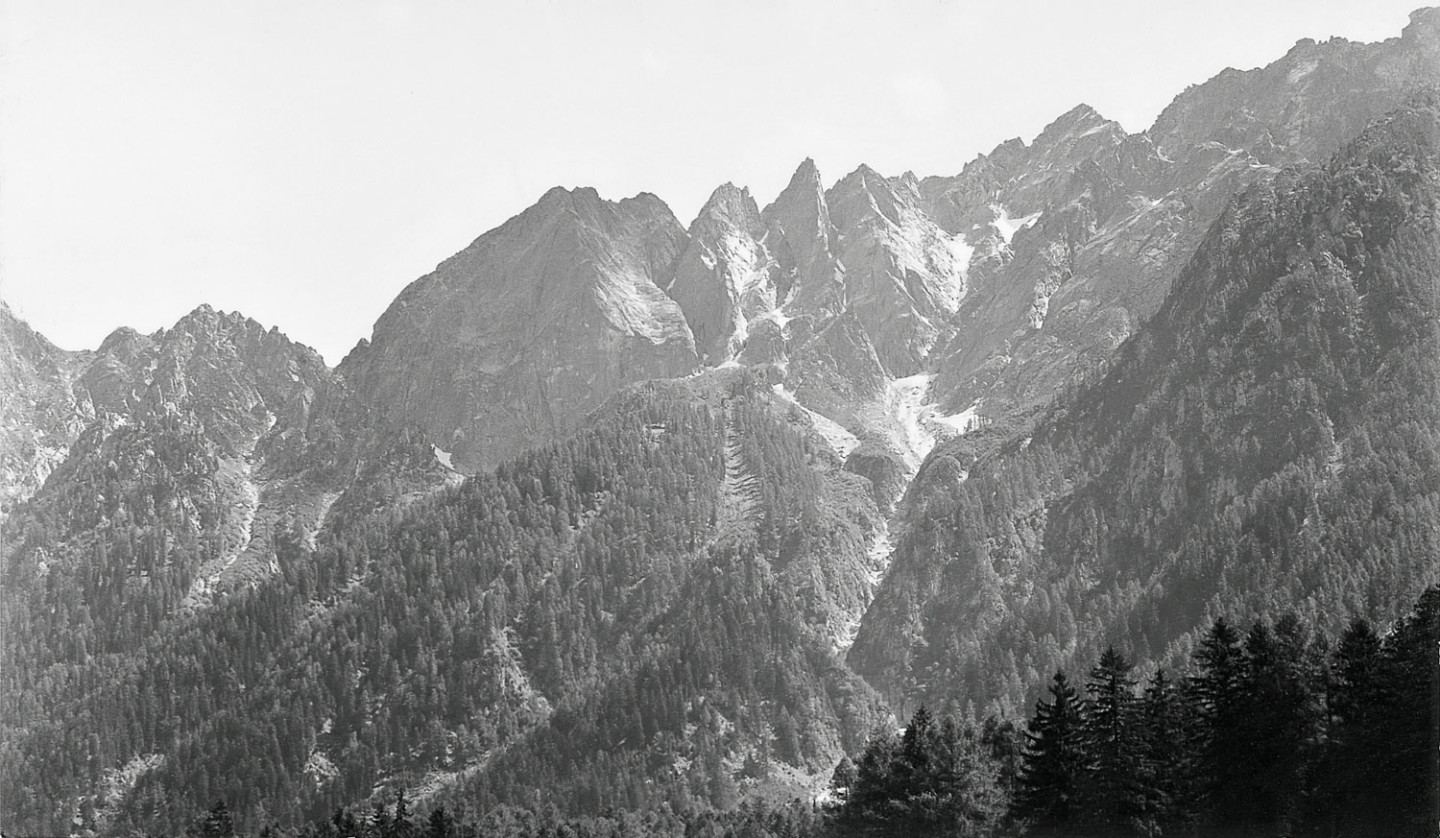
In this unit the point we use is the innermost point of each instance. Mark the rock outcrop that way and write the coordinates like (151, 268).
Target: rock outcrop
(517, 337)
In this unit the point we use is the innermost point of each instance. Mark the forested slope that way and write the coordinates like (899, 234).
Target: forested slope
(1270, 441)
(583, 599)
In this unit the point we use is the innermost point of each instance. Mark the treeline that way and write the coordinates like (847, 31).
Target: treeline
(1274, 732)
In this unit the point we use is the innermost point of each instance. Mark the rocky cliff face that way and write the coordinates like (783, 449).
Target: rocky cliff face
(1080, 235)
(515, 338)
(41, 413)
(725, 278)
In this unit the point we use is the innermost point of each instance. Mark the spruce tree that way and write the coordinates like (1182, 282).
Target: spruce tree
(1168, 753)
(1111, 787)
(1217, 690)
(1054, 761)
(1280, 725)
(1340, 802)
(440, 824)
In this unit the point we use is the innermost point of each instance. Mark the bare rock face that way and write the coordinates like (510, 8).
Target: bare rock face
(801, 238)
(725, 278)
(515, 338)
(904, 275)
(41, 413)
(1080, 235)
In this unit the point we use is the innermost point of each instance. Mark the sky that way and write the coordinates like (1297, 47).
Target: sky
(302, 161)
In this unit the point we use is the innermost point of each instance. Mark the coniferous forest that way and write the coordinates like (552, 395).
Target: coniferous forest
(1274, 729)
(1192, 589)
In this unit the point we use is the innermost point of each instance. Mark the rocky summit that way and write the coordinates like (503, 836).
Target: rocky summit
(513, 340)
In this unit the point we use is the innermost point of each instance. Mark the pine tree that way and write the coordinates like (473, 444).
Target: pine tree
(1168, 752)
(1218, 690)
(1111, 787)
(1054, 761)
(1341, 800)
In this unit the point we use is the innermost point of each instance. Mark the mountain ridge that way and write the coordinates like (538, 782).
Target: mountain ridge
(612, 511)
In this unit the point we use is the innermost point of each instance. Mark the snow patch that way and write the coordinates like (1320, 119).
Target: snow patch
(965, 420)
(776, 316)
(1039, 308)
(237, 482)
(319, 768)
(904, 404)
(878, 557)
(961, 251)
(443, 457)
(1006, 226)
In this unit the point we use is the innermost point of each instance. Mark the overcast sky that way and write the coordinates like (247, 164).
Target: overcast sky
(301, 162)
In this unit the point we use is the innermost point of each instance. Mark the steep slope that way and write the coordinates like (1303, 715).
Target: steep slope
(903, 274)
(41, 414)
(1266, 443)
(724, 279)
(197, 455)
(1080, 235)
(511, 341)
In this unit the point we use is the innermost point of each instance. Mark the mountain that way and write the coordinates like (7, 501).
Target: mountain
(1080, 234)
(1267, 442)
(511, 341)
(173, 490)
(611, 512)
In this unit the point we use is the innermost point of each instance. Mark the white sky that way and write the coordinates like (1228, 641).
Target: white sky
(301, 162)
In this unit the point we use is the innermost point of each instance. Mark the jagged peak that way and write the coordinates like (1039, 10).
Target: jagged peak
(729, 205)
(1077, 121)
(865, 191)
(865, 174)
(805, 189)
(559, 199)
(862, 180)
(205, 316)
(806, 173)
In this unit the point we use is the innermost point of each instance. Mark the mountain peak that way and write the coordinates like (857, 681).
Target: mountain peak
(1424, 25)
(865, 173)
(1078, 121)
(807, 176)
(730, 205)
(559, 196)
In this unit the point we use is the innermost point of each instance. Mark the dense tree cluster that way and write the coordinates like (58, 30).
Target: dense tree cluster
(942, 777)
(1274, 733)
